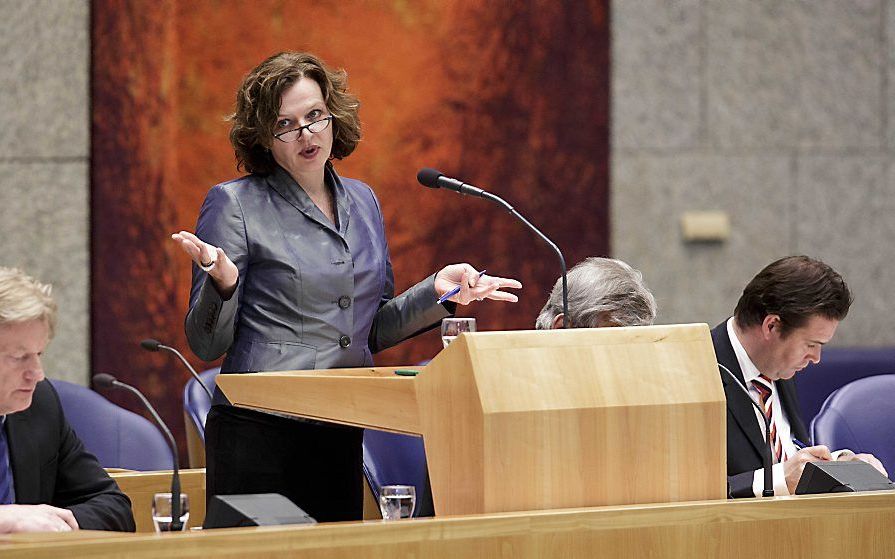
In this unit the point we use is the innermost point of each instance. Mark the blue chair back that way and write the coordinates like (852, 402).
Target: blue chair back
(393, 459)
(119, 438)
(839, 366)
(860, 416)
(196, 403)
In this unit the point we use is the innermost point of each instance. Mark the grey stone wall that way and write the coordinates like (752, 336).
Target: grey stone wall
(44, 170)
(775, 111)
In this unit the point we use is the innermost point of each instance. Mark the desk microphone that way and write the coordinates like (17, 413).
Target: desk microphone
(106, 381)
(768, 490)
(436, 179)
(154, 345)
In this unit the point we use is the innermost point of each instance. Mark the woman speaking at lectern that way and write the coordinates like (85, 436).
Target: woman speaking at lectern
(292, 271)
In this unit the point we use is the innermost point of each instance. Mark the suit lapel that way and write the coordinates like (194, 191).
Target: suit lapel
(23, 457)
(293, 193)
(738, 402)
(786, 391)
(343, 201)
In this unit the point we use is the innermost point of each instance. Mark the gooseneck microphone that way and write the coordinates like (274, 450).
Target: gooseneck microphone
(154, 345)
(107, 381)
(432, 178)
(435, 179)
(768, 490)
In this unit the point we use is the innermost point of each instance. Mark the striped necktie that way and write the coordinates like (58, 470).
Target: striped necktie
(7, 496)
(765, 388)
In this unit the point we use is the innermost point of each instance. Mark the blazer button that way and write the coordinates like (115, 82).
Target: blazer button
(344, 302)
(344, 341)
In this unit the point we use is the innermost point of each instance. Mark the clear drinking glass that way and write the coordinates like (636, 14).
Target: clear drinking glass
(161, 511)
(453, 327)
(397, 501)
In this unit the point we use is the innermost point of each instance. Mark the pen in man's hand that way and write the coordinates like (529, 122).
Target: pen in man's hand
(455, 290)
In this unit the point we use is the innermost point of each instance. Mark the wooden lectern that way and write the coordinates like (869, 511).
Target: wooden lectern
(537, 419)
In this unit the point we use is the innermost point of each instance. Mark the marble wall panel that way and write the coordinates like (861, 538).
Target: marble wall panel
(888, 41)
(795, 74)
(656, 74)
(699, 282)
(840, 69)
(795, 93)
(844, 214)
(45, 58)
(753, 53)
(44, 227)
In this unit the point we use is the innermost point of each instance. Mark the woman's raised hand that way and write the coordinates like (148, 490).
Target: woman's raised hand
(224, 272)
(473, 287)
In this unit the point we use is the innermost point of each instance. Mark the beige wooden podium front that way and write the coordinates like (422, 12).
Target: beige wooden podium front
(534, 420)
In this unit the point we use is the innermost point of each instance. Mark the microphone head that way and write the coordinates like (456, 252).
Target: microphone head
(150, 344)
(429, 177)
(104, 380)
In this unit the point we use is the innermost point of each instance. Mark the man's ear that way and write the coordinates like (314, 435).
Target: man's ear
(558, 322)
(771, 326)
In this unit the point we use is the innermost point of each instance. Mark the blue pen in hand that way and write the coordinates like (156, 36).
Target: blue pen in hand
(799, 444)
(455, 290)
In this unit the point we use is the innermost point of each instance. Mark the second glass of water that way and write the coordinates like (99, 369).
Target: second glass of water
(161, 511)
(453, 327)
(397, 501)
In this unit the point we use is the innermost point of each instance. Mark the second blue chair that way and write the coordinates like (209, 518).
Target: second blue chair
(118, 438)
(860, 416)
(196, 406)
(393, 459)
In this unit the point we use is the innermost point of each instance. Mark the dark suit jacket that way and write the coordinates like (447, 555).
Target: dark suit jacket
(746, 443)
(311, 294)
(50, 466)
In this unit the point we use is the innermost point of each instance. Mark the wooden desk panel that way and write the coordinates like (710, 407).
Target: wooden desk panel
(809, 527)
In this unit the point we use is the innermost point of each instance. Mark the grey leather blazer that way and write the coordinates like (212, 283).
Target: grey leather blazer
(309, 296)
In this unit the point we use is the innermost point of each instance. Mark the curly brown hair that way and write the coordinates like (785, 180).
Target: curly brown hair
(258, 103)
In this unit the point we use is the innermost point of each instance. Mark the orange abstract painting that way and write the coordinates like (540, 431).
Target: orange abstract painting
(510, 96)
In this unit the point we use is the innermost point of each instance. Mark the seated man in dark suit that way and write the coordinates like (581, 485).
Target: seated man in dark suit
(602, 292)
(784, 317)
(48, 482)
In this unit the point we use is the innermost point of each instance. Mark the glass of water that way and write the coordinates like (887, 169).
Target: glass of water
(453, 327)
(397, 501)
(161, 511)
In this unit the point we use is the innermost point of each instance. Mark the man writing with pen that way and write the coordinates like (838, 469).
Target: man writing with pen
(783, 319)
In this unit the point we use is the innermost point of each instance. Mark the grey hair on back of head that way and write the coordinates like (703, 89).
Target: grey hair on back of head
(602, 291)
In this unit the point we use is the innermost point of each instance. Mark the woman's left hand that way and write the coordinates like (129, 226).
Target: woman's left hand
(473, 287)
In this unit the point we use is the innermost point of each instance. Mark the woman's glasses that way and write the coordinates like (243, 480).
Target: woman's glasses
(314, 128)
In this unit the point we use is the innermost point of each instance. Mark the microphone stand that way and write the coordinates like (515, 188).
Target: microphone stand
(109, 381)
(566, 319)
(469, 190)
(155, 345)
(768, 490)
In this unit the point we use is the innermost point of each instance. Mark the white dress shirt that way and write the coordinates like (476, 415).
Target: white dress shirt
(784, 432)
